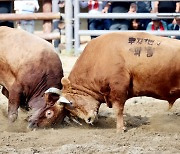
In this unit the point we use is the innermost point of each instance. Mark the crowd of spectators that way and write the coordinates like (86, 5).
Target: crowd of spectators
(21, 7)
(95, 6)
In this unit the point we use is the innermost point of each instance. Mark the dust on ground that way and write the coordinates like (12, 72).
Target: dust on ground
(151, 130)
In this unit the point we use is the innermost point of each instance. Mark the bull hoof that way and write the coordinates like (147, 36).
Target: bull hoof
(121, 130)
(12, 117)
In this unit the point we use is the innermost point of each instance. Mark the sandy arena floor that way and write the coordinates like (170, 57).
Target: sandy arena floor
(151, 130)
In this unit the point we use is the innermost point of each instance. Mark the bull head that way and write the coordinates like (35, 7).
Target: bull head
(54, 111)
(83, 105)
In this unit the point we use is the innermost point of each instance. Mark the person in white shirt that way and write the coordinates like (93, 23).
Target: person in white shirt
(26, 7)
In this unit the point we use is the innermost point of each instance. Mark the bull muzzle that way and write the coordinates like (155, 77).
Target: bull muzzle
(32, 125)
(91, 118)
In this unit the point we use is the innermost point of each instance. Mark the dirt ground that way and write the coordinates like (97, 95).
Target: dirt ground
(151, 130)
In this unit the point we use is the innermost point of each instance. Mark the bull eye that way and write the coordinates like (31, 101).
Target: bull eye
(49, 114)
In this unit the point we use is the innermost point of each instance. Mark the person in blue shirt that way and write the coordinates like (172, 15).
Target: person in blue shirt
(175, 26)
(144, 7)
(97, 7)
(121, 7)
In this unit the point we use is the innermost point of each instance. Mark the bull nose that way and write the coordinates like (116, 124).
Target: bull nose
(91, 118)
(32, 125)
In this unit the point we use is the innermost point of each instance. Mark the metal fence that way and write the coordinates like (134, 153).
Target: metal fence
(72, 19)
(73, 22)
(47, 16)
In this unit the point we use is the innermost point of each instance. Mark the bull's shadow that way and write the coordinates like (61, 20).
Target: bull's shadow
(109, 122)
(130, 122)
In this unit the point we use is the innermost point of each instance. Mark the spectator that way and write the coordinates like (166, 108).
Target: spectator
(94, 7)
(107, 9)
(135, 25)
(57, 6)
(133, 8)
(157, 24)
(61, 3)
(25, 7)
(144, 7)
(121, 7)
(175, 26)
(6, 7)
(166, 7)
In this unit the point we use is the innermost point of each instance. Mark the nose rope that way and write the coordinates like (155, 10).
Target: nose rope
(76, 121)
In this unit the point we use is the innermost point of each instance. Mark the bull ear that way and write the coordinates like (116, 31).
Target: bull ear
(51, 96)
(66, 83)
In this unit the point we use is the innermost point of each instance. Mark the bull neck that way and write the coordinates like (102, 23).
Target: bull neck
(82, 90)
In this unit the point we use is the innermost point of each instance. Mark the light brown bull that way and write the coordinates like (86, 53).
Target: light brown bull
(117, 66)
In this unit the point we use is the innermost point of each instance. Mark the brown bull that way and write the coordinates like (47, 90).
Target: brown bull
(117, 66)
(28, 67)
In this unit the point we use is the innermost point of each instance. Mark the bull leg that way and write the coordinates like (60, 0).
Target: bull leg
(5, 92)
(119, 86)
(119, 97)
(171, 102)
(170, 105)
(118, 108)
(14, 102)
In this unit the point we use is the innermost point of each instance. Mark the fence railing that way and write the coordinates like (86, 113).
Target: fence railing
(47, 16)
(78, 15)
(30, 16)
(72, 18)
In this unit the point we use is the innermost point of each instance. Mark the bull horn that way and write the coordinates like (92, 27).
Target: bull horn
(63, 100)
(53, 90)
